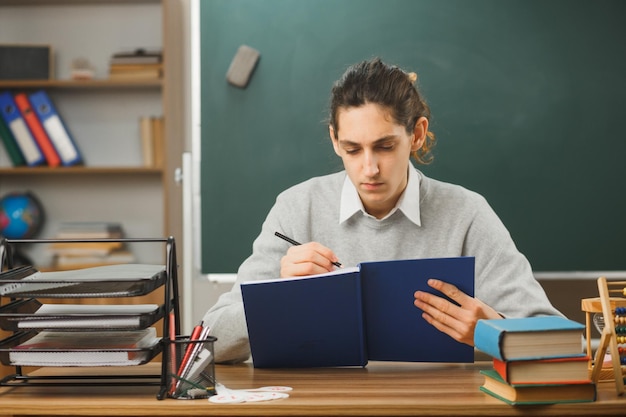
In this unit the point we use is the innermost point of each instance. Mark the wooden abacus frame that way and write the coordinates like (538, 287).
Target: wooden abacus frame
(608, 338)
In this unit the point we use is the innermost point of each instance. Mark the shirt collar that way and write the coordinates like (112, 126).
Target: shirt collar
(408, 203)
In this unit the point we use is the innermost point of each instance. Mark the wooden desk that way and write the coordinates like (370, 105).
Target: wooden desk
(377, 390)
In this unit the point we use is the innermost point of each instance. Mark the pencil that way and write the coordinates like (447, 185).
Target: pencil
(296, 243)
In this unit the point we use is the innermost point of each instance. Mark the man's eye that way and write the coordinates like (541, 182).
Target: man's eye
(351, 151)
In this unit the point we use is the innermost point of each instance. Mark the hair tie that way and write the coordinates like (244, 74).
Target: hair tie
(412, 77)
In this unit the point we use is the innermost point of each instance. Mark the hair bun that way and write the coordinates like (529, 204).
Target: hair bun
(412, 77)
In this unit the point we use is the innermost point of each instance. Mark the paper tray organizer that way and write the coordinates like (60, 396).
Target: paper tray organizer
(25, 314)
(21, 300)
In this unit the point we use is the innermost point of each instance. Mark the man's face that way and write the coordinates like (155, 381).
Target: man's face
(375, 153)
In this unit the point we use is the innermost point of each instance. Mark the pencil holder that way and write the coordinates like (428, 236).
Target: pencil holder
(192, 368)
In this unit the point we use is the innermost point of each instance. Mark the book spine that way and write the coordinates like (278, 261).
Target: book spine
(10, 144)
(488, 339)
(158, 142)
(37, 130)
(16, 124)
(56, 128)
(501, 367)
(361, 317)
(147, 143)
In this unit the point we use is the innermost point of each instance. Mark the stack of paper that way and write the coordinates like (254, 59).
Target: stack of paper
(88, 316)
(59, 348)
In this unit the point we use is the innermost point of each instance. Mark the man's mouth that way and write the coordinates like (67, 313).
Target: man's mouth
(371, 185)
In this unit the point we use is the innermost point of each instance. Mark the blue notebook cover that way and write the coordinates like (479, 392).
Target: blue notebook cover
(305, 322)
(395, 329)
(353, 315)
(489, 337)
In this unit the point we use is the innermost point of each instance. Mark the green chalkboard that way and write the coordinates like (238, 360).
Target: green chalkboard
(527, 99)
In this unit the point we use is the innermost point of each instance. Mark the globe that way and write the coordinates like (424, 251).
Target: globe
(21, 215)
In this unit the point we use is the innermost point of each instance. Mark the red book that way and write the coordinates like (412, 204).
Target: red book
(39, 133)
(565, 370)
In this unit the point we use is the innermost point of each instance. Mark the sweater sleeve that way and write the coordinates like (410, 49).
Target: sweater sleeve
(228, 323)
(227, 317)
(504, 278)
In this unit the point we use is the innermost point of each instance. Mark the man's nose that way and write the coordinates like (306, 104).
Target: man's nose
(370, 164)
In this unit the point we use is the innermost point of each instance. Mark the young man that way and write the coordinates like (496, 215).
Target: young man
(382, 208)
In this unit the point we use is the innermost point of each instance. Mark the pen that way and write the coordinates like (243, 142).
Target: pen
(296, 243)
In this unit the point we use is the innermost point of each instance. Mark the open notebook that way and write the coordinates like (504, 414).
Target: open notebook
(353, 315)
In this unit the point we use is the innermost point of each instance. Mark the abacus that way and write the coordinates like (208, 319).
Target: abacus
(612, 305)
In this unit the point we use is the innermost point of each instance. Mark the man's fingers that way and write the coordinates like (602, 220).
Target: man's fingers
(439, 309)
(300, 269)
(443, 326)
(307, 259)
(451, 291)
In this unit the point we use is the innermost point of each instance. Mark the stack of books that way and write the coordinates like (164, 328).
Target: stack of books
(33, 133)
(78, 255)
(536, 360)
(139, 64)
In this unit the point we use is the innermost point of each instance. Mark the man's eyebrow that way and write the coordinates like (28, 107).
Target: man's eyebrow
(346, 142)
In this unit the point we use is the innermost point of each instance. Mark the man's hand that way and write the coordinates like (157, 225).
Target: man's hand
(307, 259)
(457, 321)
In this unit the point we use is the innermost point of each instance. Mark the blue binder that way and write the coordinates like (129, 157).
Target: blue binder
(55, 128)
(17, 125)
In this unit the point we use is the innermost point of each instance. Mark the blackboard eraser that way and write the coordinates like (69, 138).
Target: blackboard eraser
(242, 66)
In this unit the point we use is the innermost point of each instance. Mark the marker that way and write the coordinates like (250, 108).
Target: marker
(296, 243)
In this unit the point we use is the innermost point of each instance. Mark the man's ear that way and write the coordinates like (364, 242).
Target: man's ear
(334, 139)
(419, 133)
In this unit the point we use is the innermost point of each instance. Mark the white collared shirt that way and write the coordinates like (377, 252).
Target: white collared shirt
(408, 202)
